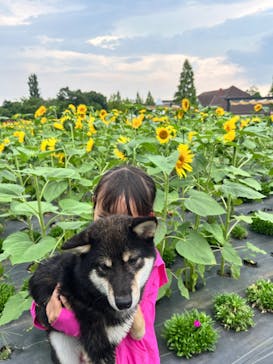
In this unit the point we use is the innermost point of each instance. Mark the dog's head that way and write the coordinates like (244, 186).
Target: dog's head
(117, 256)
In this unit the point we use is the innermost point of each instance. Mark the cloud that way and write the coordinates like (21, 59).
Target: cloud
(188, 16)
(105, 41)
(22, 12)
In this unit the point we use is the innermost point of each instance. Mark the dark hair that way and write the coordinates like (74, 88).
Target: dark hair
(131, 182)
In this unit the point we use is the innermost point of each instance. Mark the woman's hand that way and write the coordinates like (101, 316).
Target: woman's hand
(137, 330)
(55, 305)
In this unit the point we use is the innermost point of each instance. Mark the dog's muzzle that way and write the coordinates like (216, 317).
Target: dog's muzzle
(123, 302)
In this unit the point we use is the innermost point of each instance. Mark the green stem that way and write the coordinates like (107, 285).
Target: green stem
(39, 204)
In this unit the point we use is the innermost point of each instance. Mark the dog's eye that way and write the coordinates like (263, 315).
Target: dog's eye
(133, 260)
(104, 267)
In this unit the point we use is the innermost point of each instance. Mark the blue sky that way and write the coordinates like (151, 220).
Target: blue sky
(134, 46)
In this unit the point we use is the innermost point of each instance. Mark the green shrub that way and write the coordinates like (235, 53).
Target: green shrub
(6, 290)
(260, 295)
(5, 353)
(232, 311)
(169, 256)
(239, 232)
(262, 226)
(190, 333)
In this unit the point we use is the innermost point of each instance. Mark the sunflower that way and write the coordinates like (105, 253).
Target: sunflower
(119, 154)
(103, 113)
(89, 145)
(81, 109)
(185, 157)
(191, 135)
(258, 107)
(163, 135)
(230, 136)
(20, 135)
(123, 139)
(271, 118)
(40, 111)
(137, 122)
(185, 104)
(219, 111)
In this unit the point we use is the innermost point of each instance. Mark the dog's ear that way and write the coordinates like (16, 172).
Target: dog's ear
(80, 243)
(144, 227)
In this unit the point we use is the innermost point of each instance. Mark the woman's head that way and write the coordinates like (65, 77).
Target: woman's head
(124, 190)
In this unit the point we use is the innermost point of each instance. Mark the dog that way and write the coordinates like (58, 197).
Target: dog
(102, 279)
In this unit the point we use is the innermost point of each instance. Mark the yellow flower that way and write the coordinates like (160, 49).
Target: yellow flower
(6, 141)
(58, 126)
(40, 111)
(258, 107)
(43, 120)
(82, 109)
(72, 108)
(185, 104)
(20, 135)
(43, 145)
(103, 113)
(191, 135)
(119, 154)
(92, 129)
(185, 157)
(172, 131)
(230, 124)
(230, 136)
(271, 118)
(137, 122)
(163, 135)
(244, 123)
(2, 147)
(60, 156)
(89, 145)
(51, 142)
(78, 124)
(123, 139)
(219, 111)
(180, 114)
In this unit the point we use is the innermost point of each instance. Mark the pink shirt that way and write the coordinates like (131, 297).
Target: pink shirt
(129, 351)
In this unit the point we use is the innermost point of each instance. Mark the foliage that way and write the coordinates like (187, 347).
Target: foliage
(149, 100)
(5, 352)
(239, 232)
(233, 312)
(190, 333)
(33, 86)
(6, 291)
(262, 226)
(138, 100)
(186, 88)
(260, 295)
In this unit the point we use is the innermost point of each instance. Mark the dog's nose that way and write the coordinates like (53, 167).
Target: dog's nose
(123, 302)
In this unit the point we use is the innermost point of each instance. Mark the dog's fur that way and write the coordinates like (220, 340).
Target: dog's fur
(103, 284)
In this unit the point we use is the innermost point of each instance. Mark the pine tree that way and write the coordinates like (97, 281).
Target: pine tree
(33, 86)
(186, 88)
(270, 93)
(138, 99)
(149, 100)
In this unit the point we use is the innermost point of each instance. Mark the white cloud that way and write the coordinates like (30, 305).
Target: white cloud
(189, 16)
(157, 73)
(20, 12)
(44, 39)
(105, 41)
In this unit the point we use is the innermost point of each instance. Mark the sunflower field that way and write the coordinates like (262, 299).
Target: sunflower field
(204, 162)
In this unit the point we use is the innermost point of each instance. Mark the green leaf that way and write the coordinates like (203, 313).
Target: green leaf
(73, 207)
(160, 232)
(264, 216)
(165, 164)
(255, 249)
(230, 254)
(52, 173)
(159, 201)
(239, 190)
(196, 249)
(251, 182)
(71, 225)
(216, 231)
(15, 306)
(21, 249)
(54, 189)
(31, 208)
(244, 218)
(203, 204)
(163, 291)
(182, 288)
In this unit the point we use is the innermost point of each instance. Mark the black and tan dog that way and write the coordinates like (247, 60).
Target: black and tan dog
(103, 284)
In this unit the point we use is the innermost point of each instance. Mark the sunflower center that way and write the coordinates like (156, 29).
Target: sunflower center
(163, 134)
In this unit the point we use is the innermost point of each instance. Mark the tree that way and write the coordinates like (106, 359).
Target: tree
(33, 86)
(186, 88)
(149, 100)
(253, 91)
(270, 93)
(138, 99)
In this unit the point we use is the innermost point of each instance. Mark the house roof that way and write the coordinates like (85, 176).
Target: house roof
(219, 98)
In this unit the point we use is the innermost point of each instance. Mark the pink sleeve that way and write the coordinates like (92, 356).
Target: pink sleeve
(66, 322)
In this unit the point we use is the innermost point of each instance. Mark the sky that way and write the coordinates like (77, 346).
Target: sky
(134, 46)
